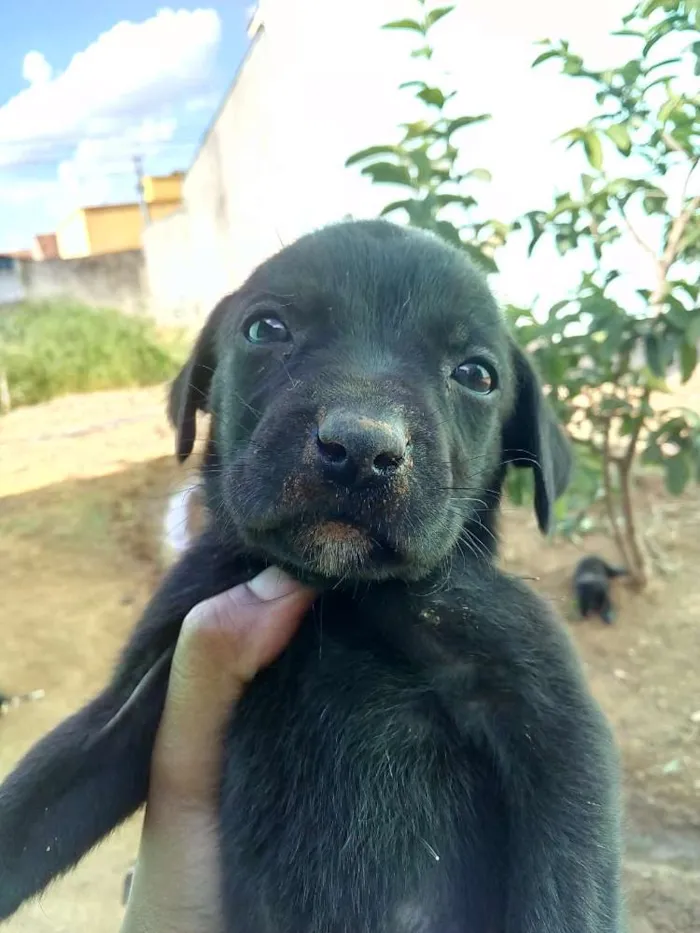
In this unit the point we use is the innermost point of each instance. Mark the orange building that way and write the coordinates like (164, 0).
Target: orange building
(115, 228)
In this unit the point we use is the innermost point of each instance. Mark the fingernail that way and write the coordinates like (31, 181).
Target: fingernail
(272, 583)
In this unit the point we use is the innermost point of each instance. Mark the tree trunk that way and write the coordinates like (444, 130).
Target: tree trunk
(610, 503)
(639, 564)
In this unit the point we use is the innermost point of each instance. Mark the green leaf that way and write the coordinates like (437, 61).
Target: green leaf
(420, 128)
(653, 349)
(692, 332)
(478, 257)
(482, 174)
(573, 65)
(657, 33)
(388, 173)
(437, 14)
(593, 149)
(677, 473)
(689, 360)
(545, 56)
(564, 242)
(405, 24)
(433, 97)
(423, 165)
(558, 306)
(662, 80)
(370, 153)
(462, 199)
(666, 61)
(631, 71)
(461, 122)
(405, 205)
(619, 135)
(449, 232)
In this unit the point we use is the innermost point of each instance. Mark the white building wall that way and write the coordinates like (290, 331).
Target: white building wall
(321, 81)
(172, 278)
(272, 167)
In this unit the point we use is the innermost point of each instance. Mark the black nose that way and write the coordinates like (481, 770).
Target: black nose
(355, 448)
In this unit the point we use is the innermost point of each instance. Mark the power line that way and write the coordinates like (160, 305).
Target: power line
(69, 143)
(65, 151)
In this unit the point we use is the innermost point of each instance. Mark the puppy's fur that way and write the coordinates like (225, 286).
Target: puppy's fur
(592, 578)
(425, 755)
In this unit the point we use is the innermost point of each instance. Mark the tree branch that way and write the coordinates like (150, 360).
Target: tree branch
(678, 226)
(610, 496)
(640, 568)
(686, 183)
(643, 243)
(672, 144)
(670, 253)
(626, 460)
(676, 233)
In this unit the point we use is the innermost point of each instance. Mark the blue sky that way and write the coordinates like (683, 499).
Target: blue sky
(84, 86)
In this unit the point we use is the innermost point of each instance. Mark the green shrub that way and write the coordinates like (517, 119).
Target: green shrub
(56, 348)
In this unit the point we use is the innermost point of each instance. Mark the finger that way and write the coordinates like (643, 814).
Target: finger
(224, 642)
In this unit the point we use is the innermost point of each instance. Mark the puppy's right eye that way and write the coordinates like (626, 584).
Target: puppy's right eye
(266, 330)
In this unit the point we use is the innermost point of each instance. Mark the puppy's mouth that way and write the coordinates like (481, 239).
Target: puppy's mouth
(338, 547)
(334, 547)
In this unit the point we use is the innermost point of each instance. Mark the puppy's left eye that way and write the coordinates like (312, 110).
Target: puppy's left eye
(476, 375)
(266, 330)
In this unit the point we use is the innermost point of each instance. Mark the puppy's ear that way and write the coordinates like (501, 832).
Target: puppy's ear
(532, 437)
(190, 389)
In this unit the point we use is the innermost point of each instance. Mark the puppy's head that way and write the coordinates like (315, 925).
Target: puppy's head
(365, 399)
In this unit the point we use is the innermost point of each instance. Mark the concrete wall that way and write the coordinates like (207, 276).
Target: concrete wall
(172, 280)
(115, 280)
(11, 287)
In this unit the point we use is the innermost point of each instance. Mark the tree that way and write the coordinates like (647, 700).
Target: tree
(424, 161)
(603, 360)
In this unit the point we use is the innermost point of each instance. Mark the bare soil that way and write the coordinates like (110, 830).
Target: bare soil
(83, 486)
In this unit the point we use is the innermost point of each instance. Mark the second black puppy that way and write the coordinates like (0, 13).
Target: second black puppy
(592, 578)
(425, 756)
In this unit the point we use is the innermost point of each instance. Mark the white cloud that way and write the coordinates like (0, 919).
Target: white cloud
(102, 169)
(35, 68)
(203, 102)
(132, 72)
(21, 192)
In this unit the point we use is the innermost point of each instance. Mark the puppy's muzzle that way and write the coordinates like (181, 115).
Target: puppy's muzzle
(356, 450)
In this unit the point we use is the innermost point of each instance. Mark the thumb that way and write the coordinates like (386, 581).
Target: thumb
(223, 643)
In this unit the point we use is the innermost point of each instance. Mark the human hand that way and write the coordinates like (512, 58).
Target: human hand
(223, 644)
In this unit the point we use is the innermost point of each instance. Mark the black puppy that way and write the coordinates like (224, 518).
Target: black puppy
(425, 755)
(592, 587)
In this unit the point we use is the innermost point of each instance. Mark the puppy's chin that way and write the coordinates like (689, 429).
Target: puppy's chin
(336, 549)
(332, 549)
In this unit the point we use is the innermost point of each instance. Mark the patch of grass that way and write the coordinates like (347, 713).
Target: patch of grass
(56, 348)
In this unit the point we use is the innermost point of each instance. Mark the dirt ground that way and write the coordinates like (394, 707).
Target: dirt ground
(83, 485)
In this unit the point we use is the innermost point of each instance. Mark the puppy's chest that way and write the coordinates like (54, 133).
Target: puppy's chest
(349, 801)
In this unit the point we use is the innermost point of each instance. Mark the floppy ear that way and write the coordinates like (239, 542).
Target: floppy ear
(532, 437)
(190, 389)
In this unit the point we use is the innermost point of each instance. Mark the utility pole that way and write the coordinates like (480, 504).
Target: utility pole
(138, 167)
